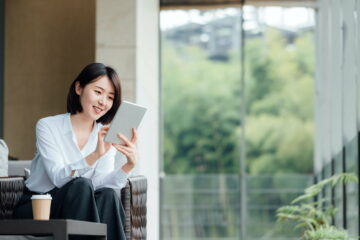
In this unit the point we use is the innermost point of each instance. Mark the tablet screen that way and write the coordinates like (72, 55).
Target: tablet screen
(128, 116)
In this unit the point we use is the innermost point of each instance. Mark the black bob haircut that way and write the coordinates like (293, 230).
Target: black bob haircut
(88, 75)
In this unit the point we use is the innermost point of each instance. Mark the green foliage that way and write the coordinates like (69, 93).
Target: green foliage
(308, 216)
(201, 115)
(314, 218)
(201, 105)
(280, 127)
(314, 190)
(327, 233)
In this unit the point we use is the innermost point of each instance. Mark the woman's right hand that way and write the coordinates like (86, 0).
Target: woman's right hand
(102, 147)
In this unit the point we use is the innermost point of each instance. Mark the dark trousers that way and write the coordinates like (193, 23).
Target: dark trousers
(78, 200)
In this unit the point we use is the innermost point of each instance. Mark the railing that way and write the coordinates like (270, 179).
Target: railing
(207, 207)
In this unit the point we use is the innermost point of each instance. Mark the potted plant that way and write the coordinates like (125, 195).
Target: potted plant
(314, 217)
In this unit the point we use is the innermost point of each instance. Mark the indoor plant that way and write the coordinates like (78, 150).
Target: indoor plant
(314, 217)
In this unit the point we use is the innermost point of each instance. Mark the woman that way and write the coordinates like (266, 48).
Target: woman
(74, 164)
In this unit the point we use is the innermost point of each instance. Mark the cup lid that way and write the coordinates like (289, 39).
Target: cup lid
(43, 196)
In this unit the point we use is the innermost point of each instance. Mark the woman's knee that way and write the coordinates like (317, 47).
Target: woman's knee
(107, 193)
(82, 184)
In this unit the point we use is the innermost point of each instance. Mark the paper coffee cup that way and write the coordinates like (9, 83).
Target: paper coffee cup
(41, 205)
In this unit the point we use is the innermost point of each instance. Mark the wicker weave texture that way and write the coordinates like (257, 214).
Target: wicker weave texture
(11, 190)
(125, 199)
(134, 202)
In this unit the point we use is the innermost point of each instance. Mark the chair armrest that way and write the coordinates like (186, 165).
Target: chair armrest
(133, 197)
(11, 190)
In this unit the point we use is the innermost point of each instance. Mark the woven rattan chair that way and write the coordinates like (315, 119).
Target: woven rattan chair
(133, 198)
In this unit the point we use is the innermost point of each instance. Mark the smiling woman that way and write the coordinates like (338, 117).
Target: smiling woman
(74, 164)
(95, 82)
(98, 95)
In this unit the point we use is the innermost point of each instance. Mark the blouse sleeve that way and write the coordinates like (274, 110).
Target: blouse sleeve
(58, 172)
(106, 176)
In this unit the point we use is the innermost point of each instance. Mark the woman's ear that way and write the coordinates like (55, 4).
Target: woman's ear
(78, 88)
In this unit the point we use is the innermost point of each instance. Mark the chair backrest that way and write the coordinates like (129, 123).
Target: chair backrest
(4, 154)
(11, 190)
(16, 167)
(133, 198)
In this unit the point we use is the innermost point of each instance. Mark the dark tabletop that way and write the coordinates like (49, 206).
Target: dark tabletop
(59, 228)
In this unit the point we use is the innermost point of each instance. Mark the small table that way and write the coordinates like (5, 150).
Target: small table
(59, 228)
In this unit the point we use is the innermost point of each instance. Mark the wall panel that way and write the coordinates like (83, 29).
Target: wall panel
(45, 50)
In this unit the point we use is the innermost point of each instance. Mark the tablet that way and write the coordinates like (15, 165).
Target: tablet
(128, 116)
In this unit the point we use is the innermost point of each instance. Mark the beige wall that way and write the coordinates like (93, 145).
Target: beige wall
(47, 43)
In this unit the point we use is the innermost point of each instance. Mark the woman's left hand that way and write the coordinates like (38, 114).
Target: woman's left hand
(128, 148)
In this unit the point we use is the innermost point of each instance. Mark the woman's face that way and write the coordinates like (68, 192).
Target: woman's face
(97, 97)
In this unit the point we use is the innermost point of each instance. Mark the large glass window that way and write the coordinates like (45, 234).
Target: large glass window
(201, 104)
(201, 73)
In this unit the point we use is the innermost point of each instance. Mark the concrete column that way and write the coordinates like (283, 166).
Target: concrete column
(116, 40)
(148, 94)
(127, 39)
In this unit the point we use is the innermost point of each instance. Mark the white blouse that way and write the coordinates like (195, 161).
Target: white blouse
(58, 155)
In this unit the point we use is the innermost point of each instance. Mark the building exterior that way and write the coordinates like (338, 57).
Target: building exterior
(337, 113)
(221, 36)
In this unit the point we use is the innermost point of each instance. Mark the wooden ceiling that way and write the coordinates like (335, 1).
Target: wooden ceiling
(169, 4)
